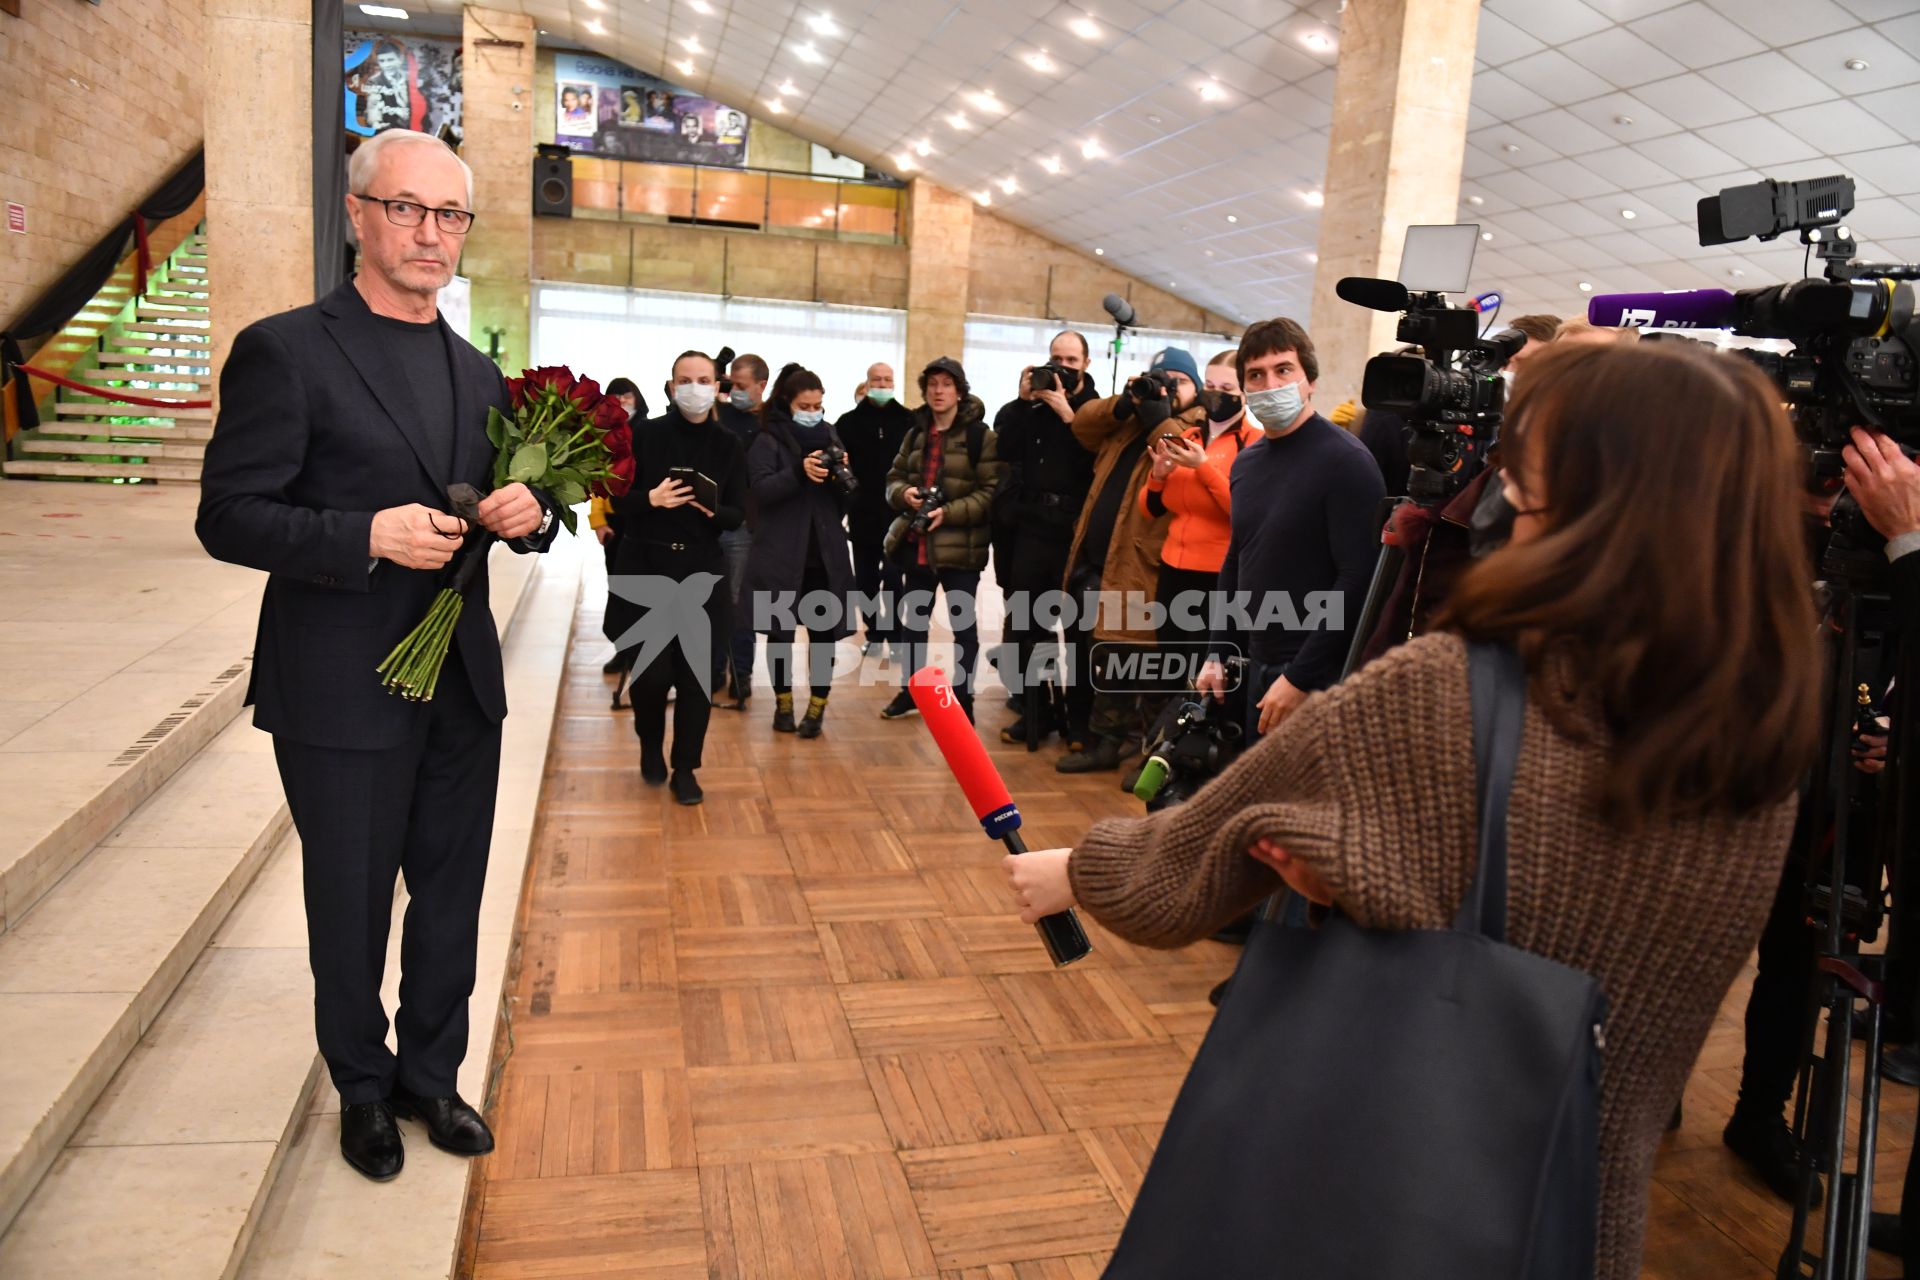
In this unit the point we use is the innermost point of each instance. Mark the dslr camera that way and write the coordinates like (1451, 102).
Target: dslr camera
(930, 501)
(1054, 377)
(1150, 395)
(838, 471)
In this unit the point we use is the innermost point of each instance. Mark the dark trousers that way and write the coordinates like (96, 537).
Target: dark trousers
(1776, 1020)
(916, 623)
(819, 647)
(875, 576)
(423, 809)
(1174, 636)
(733, 646)
(692, 706)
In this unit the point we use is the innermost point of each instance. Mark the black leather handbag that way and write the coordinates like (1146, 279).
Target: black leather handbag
(1377, 1105)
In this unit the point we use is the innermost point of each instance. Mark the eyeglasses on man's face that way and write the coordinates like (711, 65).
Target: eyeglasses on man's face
(408, 213)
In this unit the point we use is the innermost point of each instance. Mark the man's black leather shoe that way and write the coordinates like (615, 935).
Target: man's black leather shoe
(370, 1140)
(1901, 1064)
(452, 1125)
(1766, 1146)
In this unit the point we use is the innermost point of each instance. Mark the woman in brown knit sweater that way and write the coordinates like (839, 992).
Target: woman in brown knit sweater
(1656, 584)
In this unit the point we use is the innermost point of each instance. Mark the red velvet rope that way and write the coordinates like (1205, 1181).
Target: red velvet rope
(108, 394)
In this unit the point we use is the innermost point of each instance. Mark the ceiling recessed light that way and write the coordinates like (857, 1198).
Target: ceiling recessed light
(1171, 285)
(1086, 28)
(1623, 119)
(1586, 286)
(1851, 64)
(1040, 61)
(1735, 272)
(958, 120)
(1050, 163)
(1511, 148)
(806, 53)
(1315, 198)
(1313, 257)
(1209, 253)
(1092, 150)
(924, 146)
(684, 66)
(1316, 41)
(691, 44)
(1099, 253)
(985, 100)
(1476, 200)
(1628, 214)
(821, 24)
(702, 8)
(1009, 185)
(905, 162)
(1233, 217)
(382, 11)
(983, 197)
(775, 107)
(1486, 235)
(598, 6)
(1210, 90)
(597, 27)
(789, 87)
(1153, 119)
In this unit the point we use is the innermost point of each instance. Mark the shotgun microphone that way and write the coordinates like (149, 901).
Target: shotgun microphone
(973, 769)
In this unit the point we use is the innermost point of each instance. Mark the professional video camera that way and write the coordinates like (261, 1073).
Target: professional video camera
(1452, 394)
(1855, 339)
(837, 468)
(1192, 742)
(931, 500)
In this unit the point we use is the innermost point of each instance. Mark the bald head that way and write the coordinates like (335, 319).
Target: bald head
(880, 375)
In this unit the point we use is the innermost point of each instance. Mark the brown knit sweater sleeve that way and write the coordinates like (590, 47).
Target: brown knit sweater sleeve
(1172, 879)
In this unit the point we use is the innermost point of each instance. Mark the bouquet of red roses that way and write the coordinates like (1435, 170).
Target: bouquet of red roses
(564, 438)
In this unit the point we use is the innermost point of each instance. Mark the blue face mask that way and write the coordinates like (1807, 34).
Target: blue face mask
(1277, 407)
(808, 417)
(741, 400)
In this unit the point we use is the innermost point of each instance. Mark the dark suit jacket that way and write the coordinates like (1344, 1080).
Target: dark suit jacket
(318, 430)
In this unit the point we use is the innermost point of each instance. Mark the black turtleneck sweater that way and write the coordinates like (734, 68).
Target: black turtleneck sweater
(669, 441)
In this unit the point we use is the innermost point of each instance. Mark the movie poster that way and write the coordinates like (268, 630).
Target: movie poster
(607, 108)
(402, 82)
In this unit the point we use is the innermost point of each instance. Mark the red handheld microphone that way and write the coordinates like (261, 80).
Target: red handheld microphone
(999, 818)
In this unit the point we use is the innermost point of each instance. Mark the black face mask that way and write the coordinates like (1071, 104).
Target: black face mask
(1222, 406)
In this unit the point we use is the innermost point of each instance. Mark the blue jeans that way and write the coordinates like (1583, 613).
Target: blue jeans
(735, 649)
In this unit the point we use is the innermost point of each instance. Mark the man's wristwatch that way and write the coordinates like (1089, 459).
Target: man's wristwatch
(546, 522)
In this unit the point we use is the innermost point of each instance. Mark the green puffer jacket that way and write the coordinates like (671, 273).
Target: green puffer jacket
(966, 531)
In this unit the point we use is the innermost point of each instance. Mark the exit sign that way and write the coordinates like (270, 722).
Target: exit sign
(16, 217)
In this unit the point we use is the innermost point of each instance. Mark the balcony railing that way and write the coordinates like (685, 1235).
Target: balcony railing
(793, 204)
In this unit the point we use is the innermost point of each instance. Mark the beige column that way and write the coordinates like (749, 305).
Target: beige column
(1393, 160)
(258, 117)
(498, 144)
(939, 249)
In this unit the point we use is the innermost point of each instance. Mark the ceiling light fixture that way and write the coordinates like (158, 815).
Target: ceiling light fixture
(985, 100)
(1511, 148)
(807, 53)
(1476, 200)
(382, 11)
(1623, 119)
(983, 197)
(1628, 214)
(1586, 286)
(1209, 253)
(1153, 119)
(1092, 150)
(1486, 235)
(1040, 61)
(1210, 90)
(598, 6)
(1851, 64)
(829, 212)
(1086, 28)
(789, 87)
(702, 8)
(597, 27)
(775, 107)
(1735, 272)
(958, 120)
(1051, 164)
(1009, 184)
(1313, 257)
(924, 146)
(1099, 253)
(684, 66)
(1316, 41)
(1315, 198)
(691, 44)
(1171, 285)
(1233, 217)
(905, 162)
(821, 24)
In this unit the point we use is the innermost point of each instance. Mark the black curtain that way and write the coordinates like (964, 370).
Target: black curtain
(329, 149)
(65, 297)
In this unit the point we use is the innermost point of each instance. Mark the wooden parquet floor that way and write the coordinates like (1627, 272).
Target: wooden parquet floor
(796, 1032)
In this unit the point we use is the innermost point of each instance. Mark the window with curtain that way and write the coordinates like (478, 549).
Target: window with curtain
(604, 333)
(999, 347)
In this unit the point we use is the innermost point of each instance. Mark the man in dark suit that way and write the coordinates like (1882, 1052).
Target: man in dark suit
(341, 426)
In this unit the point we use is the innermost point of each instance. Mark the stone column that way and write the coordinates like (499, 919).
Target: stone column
(939, 248)
(259, 97)
(498, 142)
(1393, 160)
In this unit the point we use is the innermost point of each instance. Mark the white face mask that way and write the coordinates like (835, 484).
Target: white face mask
(693, 398)
(808, 417)
(1277, 407)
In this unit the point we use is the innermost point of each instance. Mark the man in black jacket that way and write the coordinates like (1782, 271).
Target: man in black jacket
(871, 433)
(739, 413)
(1034, 514)
(341, 426)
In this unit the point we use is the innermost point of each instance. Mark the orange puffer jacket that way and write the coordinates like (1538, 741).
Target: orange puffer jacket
(1198, 498)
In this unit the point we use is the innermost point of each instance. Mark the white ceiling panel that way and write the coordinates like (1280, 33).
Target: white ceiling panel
(1556, 77)
(1888, 66)
(1757, 142)
(1624, 169)
(1838, 126)
(1698, 33)
(1618, 55)
(1769, 82)
(1500, 41)
(1550, 21)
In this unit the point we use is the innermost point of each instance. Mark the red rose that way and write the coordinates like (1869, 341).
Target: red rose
(554, 376)
(585, 393)
(617, 484)
(619, 443)
(517, 392)
(608, 414)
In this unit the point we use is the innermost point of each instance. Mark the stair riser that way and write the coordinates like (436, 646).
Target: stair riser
(27, 469)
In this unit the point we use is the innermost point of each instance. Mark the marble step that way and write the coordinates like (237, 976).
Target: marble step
(33, 468)
(32, 444)
(108, 409)
(88, 969)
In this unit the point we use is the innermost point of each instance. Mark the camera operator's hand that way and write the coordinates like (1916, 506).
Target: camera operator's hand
(913, 498)
(1026, 383)
(1039, 882)
(815, 465)
(935, 520)
(670, 493)
(1302, 879)
(1277, 703)
(1056, 400)
(1884, 481)
(1870, 752)
(1212, 680)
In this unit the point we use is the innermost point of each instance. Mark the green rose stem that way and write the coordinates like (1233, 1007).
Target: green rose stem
(412, 670)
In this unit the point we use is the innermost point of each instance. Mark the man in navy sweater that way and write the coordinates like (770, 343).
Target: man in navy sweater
(1303, 544)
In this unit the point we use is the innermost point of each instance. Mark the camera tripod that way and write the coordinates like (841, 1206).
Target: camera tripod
(1843, 976)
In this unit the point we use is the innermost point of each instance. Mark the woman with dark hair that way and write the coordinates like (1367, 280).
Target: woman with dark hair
(1656, 588)
(606, 528)
(800, 547)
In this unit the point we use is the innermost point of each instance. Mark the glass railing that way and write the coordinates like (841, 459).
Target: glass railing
(792, 204)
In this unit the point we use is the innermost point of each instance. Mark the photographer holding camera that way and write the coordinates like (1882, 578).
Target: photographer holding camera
(1116, 553)
(798, 474)
(871, 432)
(942, 482)
(1665, 734)
(1034, 512)
(738, 410)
